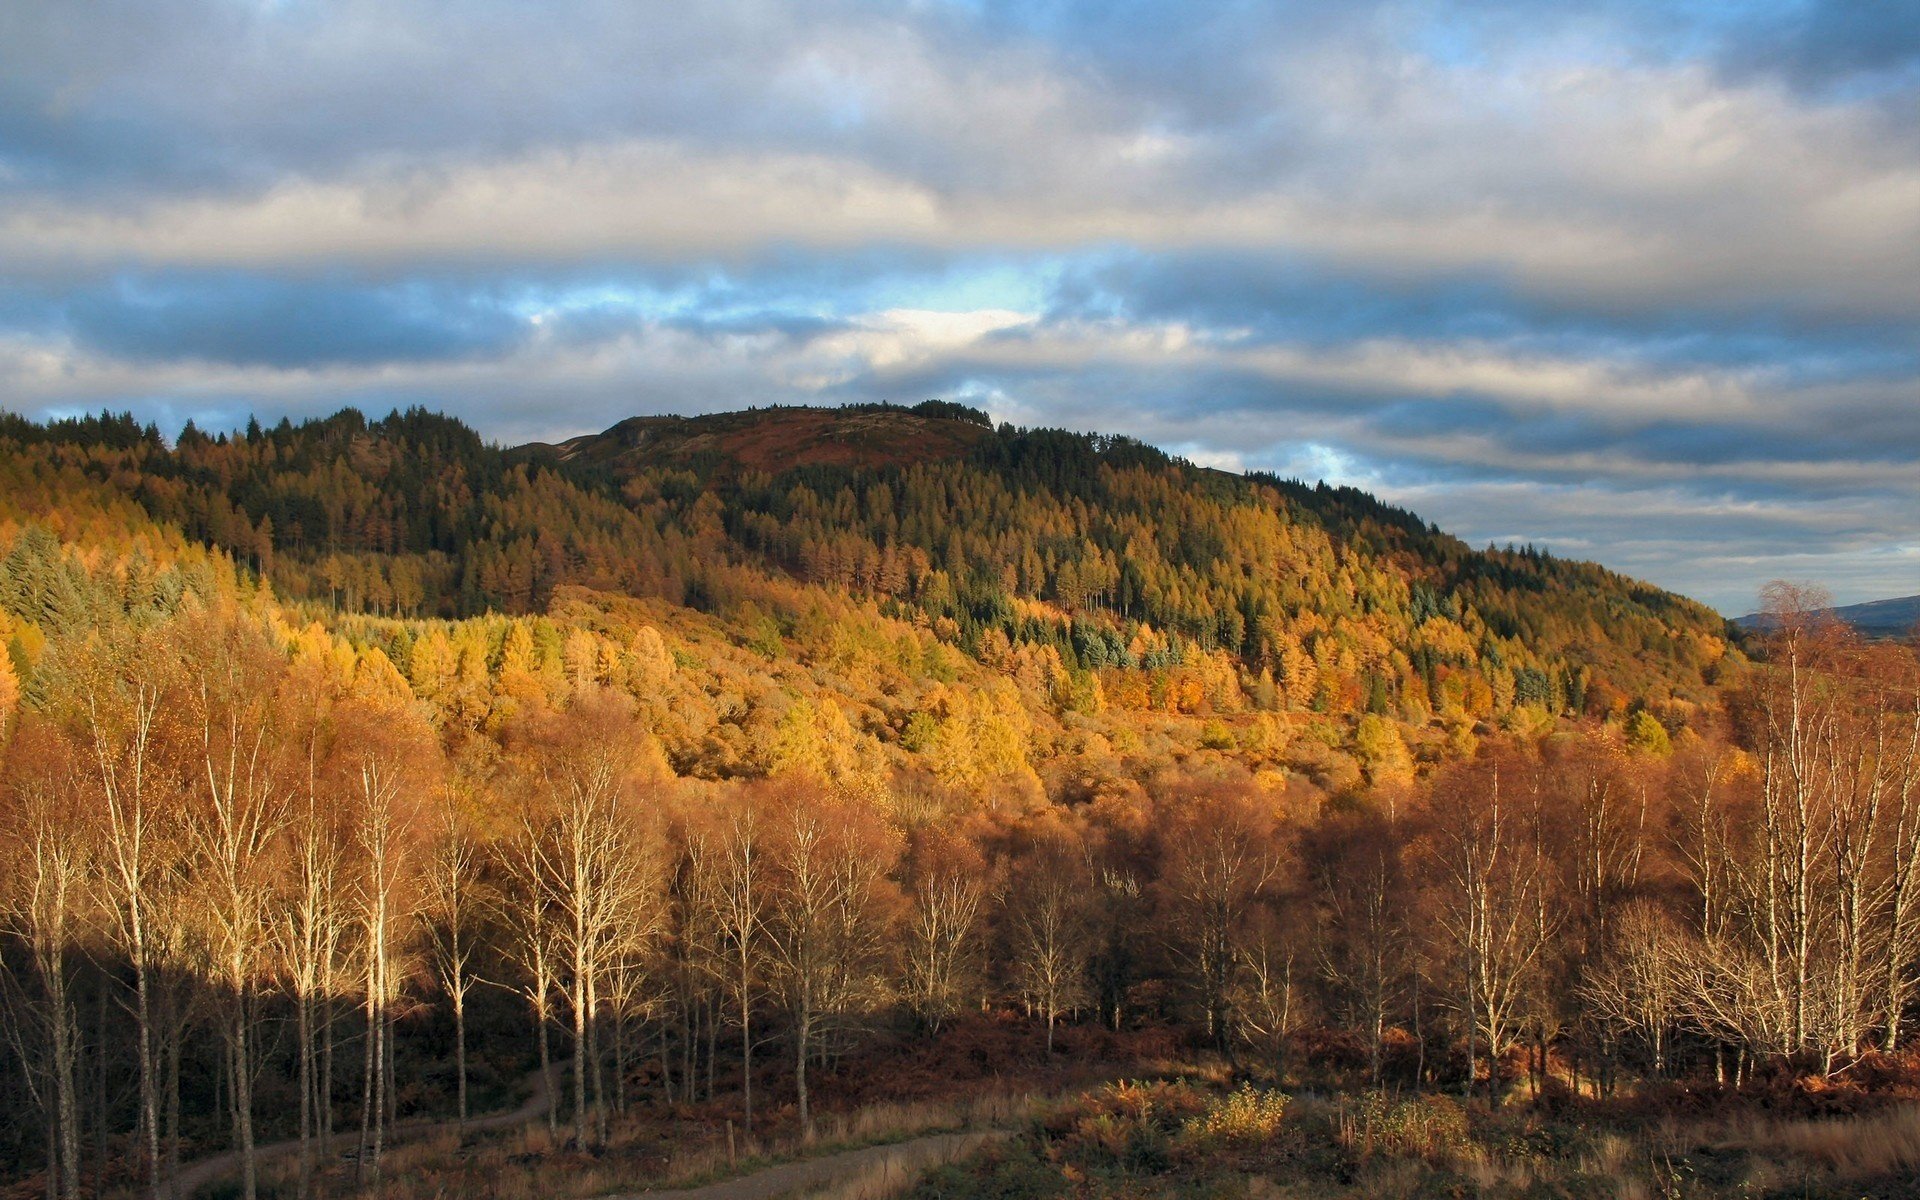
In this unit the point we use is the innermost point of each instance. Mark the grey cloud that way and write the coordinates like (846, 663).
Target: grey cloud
(1611, 275)
(252, 321)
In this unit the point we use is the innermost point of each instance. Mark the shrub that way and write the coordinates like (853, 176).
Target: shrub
(1429, 1127)
(1129, 1125)
(1243, 1117)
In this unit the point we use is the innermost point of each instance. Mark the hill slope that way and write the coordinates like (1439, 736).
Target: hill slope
(1064, 538)
(859, 562)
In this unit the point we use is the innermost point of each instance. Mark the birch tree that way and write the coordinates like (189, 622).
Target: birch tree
(45, 864)
(385, 832)
(1218, 860)
(1049, 930)
(450, 910)
(1486, 865)
(237, 811)
(119, 713)
(940, 938)
(828, 857)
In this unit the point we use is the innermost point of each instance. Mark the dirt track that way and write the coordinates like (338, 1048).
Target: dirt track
(895, 1162)
(201, 1172)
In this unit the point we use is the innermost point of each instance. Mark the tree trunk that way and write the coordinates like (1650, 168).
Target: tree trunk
(579, 1058)
(66, 1090)
(100, 1093)
(369, 1086)
(596, 1060)
(174, 1038)
(326, 1072)
(802, 1030)
(746, 1044)
(149, 1108)
(546, 1070)
(460, 1051)
(53, 1155)
(390, 1088)
(304, 1036)
(243, 1100)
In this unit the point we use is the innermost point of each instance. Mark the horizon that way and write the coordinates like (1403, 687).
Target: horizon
(1630, 283)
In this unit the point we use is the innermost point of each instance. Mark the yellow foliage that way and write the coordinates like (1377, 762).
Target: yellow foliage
(378, 684)
(1384, 751)
(9, 691)
(1445, 639)
(650, 663)
(434, 664)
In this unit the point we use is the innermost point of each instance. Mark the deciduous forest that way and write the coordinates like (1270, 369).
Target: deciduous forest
(725, 775)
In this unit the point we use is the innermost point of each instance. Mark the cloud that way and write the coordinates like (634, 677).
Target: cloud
(1523, 266)
(249, 321)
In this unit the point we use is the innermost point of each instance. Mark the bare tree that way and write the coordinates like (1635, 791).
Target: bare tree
(939, 940)
(384, 830)
(1822, 895)
(527, 913)
(1359, 883)
(45, 863)
(1220, 858)
(822, 929)
(1049, 935)
(238, 811)
(596, 864)
(739, 898)
(1269, 1002)
(312, 909)
(1637, 982)
(120, 715)
(1487, 876)
(1896, 754)
(451, 881)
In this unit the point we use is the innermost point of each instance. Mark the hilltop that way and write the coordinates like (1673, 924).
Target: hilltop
(773, 440)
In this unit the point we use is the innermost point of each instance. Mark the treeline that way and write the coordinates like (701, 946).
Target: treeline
(297, 882)
(1101, 549)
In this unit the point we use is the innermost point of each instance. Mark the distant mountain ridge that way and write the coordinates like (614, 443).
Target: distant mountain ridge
(1876, 618)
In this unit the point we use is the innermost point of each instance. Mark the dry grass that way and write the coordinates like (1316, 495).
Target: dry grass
(893, 1174)
(1852, 1148)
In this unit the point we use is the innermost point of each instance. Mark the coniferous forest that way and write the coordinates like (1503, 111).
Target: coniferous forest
(708, 787)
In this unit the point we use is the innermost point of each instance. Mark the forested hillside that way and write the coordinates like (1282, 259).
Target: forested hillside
(364, 767)
(1102, 578)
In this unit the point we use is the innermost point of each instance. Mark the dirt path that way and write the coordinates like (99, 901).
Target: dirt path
(876, 1166)
(201, 1172)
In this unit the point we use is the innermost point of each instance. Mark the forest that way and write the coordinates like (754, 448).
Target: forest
(359, 771)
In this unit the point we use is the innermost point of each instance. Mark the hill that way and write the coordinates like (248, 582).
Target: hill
(859, 563)
(779, 439)
(896, 689)
(1875, 618)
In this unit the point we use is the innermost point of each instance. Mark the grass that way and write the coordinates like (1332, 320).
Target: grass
(1851, 1148)
(1192, 1142)
(1193, 1130)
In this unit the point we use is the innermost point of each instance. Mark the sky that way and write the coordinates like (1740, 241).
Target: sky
(1634, 280)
